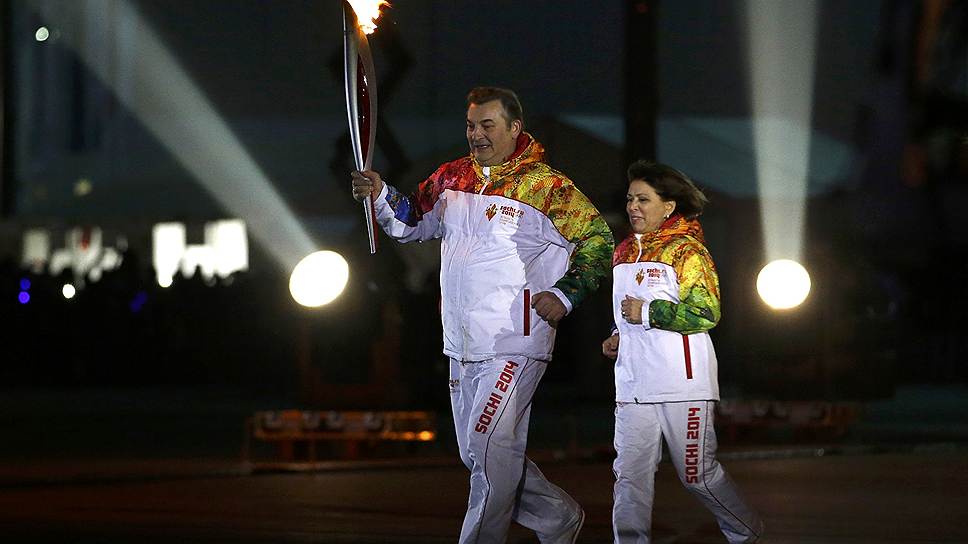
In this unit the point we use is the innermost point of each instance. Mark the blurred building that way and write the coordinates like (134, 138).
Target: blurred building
(85, 148)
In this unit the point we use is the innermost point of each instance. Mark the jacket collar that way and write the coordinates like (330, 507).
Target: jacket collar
(676, 225)
(527, 151)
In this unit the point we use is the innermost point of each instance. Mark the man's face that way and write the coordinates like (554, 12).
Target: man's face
(491, 138)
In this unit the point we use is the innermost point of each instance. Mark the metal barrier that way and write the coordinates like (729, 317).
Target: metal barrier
(832, 418)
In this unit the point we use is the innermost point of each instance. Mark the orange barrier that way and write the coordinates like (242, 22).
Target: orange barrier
(296, 433)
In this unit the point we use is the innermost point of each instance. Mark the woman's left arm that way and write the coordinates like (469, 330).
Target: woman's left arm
(698, 309)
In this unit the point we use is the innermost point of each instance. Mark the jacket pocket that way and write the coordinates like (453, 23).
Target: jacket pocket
(688, 356)
(527, 312)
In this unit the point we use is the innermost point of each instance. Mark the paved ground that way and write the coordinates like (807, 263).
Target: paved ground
(915, 496)
(158, 468)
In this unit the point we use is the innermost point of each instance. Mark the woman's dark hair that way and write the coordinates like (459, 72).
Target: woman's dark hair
(509, 101)
(670, 184)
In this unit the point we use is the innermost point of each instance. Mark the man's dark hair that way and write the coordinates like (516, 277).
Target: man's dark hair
(509, 101)
(670, 184)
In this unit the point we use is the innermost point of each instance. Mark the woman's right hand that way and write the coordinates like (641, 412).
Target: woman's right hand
(610, 347)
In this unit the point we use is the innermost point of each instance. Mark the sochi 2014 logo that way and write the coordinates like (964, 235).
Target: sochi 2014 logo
(491, 211)
(640, 276)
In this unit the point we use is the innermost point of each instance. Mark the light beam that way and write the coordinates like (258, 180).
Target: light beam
(164, 98)
(782, 43)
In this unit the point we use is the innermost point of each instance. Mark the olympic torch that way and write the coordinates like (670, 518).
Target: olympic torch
(359, 19)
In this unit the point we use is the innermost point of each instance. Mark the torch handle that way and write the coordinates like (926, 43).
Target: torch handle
(370, 218)
(360, 79)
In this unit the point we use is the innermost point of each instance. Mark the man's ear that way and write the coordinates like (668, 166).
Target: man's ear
(516, 127)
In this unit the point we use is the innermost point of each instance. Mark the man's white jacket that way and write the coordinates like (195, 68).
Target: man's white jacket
(508, 233)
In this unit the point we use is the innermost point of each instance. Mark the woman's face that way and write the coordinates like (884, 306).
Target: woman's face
(647, 211)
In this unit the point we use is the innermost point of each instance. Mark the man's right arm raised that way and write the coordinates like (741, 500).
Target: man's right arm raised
(404, 218)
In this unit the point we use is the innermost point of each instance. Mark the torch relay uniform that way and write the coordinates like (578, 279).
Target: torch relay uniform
(666, 381)
(508, 232)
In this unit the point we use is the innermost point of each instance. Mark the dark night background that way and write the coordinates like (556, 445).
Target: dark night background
(601, 83)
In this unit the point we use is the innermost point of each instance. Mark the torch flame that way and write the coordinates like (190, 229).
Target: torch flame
(367, 12)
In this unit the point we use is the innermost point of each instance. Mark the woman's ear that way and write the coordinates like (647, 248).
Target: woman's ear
(670, 208)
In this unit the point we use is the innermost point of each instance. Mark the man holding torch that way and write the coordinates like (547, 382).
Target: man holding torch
(521, 247)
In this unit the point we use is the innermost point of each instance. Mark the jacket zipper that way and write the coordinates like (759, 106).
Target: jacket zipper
(486, 170)
(645, 309)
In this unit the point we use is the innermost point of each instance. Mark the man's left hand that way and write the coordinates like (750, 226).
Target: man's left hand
(549, 307)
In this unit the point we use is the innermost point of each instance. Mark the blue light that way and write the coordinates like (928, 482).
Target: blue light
(24, 284)
(24, 297)
(138, 302)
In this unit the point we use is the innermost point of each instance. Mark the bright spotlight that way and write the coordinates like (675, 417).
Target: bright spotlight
(319, 278)
(783, 284)
(42, 34)
(68, 291)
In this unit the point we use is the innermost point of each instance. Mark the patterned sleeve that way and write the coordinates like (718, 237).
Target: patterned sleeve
(577, 219)
(698, 309)
(411, 218)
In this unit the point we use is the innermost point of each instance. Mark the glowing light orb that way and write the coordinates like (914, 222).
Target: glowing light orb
(42, 34)
(83, 187)
(68, 291)
(319, 278)
(783, 284)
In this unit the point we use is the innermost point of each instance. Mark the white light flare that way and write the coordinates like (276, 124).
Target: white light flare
(367, 12)
(168, 242)
(783, 284)
(68, 291)
(319, 278)
(782, 45)
(163, 97)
